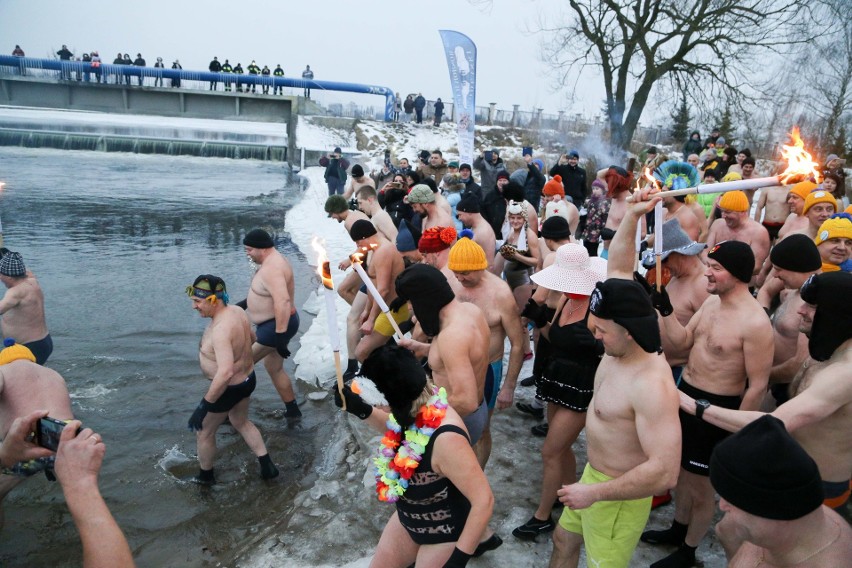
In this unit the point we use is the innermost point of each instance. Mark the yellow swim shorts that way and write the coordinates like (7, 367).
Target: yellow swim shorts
(383, 325)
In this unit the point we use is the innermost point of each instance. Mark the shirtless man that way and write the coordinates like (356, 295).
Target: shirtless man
(794, 260)
(368, 203)
(618, 182)
(470, 214)
(736, 225)
(770, 492)
(554, 192)
(777, 209)
(819, 206)
(834, 243)
(359, 180)
(434, 245)
(631, 424)
(796, 221)
(384, 265)
(675, 208)
(458, 354)
(338, 209)
(473, 283)
(226, 360)
(819, 414)
(24, 388)
(22, 308)
(731, 346)
(422, 201)
(270, 307)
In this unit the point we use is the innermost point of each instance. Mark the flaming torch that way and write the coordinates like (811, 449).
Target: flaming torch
(800, 166)
(357, 259)
(324, 272)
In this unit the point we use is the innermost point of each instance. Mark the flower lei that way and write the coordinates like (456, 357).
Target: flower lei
(397, 459)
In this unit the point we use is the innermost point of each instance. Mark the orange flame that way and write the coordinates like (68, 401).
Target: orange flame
(323, 265)
(800, 163)
(646, 173)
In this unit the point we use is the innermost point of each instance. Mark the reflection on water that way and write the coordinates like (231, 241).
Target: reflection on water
(114, 240)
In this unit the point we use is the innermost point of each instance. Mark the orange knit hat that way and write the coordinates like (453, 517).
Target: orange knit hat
(803, 188)
(734, 201)
(554, 186)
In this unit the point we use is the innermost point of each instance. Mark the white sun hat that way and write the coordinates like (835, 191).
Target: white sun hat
(573, 272)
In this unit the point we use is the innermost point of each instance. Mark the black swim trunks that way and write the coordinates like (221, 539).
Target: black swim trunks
(699, 437)
(233, 395)
(41, 348)
(266, 331)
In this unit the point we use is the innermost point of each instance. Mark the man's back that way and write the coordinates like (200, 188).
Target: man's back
(25, 387)
(24, 319)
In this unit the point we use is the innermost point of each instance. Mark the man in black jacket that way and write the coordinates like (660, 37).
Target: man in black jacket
(573, 177)
(470, 185)
(494, 204)
(139, 62)
(65, 55)
(419, 105)
(214, 67)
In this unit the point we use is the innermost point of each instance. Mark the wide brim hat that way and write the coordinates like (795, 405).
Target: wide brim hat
(573, 271)
(676, 240)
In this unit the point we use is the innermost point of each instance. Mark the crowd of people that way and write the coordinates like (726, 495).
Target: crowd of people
(743, 328)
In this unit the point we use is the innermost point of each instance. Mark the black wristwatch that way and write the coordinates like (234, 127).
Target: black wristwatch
(700, 406)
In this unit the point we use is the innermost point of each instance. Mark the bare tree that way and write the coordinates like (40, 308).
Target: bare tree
(705, 48)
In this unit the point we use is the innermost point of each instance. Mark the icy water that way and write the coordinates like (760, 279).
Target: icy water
(114, 240)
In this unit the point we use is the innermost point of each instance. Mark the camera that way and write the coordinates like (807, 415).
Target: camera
(48, 431)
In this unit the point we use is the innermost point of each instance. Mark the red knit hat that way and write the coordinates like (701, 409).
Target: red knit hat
(436, 239)
(554, 186)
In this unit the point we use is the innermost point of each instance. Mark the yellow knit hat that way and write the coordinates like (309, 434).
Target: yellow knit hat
(818, 197)
(466, 255)
(15, 351)
(734, 201)
(803, 188)
(834, 228)
(732, 176)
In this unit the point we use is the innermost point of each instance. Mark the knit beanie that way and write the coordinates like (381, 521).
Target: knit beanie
(357, 171)
(734, 201)
(599, 183)
(830, 293)
(554, 186)
(763, 471)
(555, 228)
(736, 257)
(336, 204)
(803, 188)
(730, 176)
(839, 226)
(796, 253)
(469, 204)
(427, 289)
(818, 197)
(14, 351)
(362, 229)
(627, 303)
(12, 264)
(259, 239)
(436, 239)
(556, 209)
(421, 193)
(466, 255)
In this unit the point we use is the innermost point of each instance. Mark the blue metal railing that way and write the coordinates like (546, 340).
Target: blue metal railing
(67, 68)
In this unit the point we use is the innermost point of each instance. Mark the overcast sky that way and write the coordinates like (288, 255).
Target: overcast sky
(389, 43)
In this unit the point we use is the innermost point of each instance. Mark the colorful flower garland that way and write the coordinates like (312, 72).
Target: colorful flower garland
(398, 459)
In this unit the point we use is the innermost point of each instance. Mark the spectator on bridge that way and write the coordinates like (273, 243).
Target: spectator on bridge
(227, 69)
(86, 74)
(419, 105)
(214, 67)
(176, 80)
(238, 70)
(127, 61)
(65, 55)
(265, 72)
(139, 62)
(253, 70)
(96, 65)
(439, 111)
(408, 107)
(158, 81)
(119, 60)
(278, 73)
(18, 52)
(308, 75)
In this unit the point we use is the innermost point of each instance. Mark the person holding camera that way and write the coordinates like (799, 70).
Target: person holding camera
(335, 171)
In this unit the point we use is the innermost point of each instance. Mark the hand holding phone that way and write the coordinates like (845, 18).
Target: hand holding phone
(48, 431)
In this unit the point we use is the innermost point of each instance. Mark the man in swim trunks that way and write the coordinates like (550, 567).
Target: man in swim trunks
(775, 203)
(770, 492)
(22, 308)
(631, 424)
(819, 414)
(338, 209)
(270, 307)
(226, 360)
(24, 388)
(736, 225)
(796, 221)
(473, 283)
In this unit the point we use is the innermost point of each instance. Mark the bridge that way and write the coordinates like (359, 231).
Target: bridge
(127, 89)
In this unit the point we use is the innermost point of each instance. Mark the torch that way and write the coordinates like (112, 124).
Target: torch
(324, 272)
(357, 259)
(658, 241)
(2, 185)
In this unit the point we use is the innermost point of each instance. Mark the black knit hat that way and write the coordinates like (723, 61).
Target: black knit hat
(556, 228)
(627, 303)
(399, 376)
(831, 293)
(796, 253)
(514, 191)
(469, 204)
(427, 289)
(736, 257)
(763, 471)
(357, 171)
(361, 229)
(259, 239)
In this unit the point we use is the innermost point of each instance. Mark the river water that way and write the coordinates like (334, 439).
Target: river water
(114, 240)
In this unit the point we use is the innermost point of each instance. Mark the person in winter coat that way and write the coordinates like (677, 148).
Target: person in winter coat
(65, 55)
(435, 167)
(265, 72)
(470, 185)
(238, 70)
(278, 72)
(532, 179)
(693, 145)
(408, 108)
(439, 111)
(335, 171)
(488, 169)
(127, 61)
(176, 81)
(226, 68)
(419, 105)
(573, 176)
(253, 70)
(214, 67)
(139, 62)
(397, 107)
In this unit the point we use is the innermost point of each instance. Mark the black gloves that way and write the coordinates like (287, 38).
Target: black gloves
(355, 405)
(536, 313)
(457, 559)
(281, 341)
(197, 417)
(242, 304)
(660, 300)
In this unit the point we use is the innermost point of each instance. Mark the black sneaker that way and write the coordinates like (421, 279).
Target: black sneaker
(527, 408)
(540, 430)
(534, 527)
(528, 382)
(492, 543)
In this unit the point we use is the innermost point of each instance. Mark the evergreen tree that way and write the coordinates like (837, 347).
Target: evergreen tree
(680, 122)
(726, 126)
(840, 142)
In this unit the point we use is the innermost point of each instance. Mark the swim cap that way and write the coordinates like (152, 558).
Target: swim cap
(763, 471)
(736, 257)
(839, 226)
(627, 303)
(466, 255)
(831, 293)
(14, 351)
(436, 239)
(259, 239)
(818, 197)
(427, 289)
(209, 287)
(362, 229)
(796, 253)
(734, 201)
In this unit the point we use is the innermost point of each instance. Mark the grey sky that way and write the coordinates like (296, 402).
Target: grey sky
(382, 42)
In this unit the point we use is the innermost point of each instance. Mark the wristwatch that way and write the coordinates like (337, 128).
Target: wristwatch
(700, 406)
